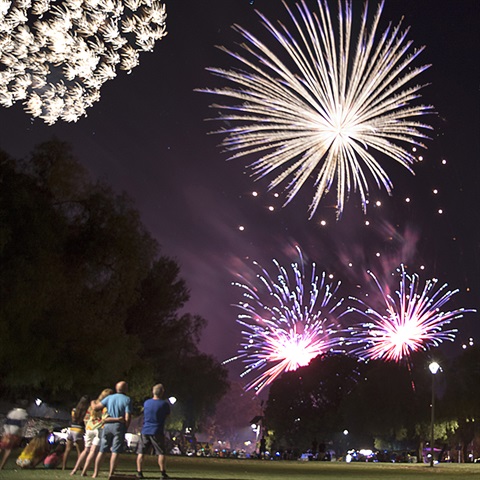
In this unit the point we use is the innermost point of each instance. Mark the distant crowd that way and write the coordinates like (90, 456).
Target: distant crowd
(97, 427)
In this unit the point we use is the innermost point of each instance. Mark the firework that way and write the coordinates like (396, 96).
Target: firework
(322, 107)
(287, 322)
(413, 319)
(55, 57)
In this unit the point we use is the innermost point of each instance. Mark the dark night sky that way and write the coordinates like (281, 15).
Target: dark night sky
(147, 136)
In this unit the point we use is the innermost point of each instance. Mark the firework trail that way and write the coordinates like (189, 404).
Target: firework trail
(54, 57)
(287, 322)
(413, 319)
(315, 105)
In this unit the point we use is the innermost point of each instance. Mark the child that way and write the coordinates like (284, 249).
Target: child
(54, 459)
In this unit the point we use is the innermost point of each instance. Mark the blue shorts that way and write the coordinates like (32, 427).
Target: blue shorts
(113, 438)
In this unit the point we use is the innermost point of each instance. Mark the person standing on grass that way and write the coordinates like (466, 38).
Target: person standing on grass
(94, 421)
(13, 430)
(116, 425)
(155, 412)
(76, 430)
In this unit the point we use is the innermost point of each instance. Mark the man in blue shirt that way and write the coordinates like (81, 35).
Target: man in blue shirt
(116, 425)
(155, 412)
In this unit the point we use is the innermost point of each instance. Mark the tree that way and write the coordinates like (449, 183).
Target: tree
(381, 404)
(85, 296)
(72, 257)
(388, 405)
(233, 415)
(305, 404)
(169, 344)
(460, 403)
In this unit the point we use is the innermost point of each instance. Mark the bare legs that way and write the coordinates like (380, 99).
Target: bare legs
(139, 462)
(161, 462)
(90, 459)
(6, 454)
(80, 459)
(68, 447)
(99, 460)
(113, 463)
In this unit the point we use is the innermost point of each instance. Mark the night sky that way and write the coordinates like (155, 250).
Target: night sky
(147, 136)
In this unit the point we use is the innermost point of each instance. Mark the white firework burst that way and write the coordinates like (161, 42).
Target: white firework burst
(315, 105)
(55, 58)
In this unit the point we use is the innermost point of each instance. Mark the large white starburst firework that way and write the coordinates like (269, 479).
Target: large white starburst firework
(316, 105)
(413, 319)
(55, 56)
(287, 322)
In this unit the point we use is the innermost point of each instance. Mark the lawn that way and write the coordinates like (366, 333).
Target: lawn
(229, 469)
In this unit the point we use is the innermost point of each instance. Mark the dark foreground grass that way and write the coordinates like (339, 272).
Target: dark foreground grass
(185, 468)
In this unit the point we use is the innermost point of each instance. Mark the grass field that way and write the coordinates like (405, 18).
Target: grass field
(185, 468)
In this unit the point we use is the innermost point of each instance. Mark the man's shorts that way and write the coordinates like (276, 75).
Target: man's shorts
(92, 438)
(113, 438)
(156, 442)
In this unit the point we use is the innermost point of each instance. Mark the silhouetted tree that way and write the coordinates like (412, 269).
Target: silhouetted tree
(460, 404)
(306, 404)
(233, 414)
(85, 296)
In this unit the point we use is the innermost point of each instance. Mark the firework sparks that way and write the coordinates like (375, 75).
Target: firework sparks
(322, 108)
(55, 58)
(287, 322)
(413, 319)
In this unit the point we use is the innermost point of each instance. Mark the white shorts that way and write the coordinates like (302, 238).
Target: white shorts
(92, 438)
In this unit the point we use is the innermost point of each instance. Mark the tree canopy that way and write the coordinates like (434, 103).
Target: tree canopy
(305, 404)
(340, 401)
(86, 297)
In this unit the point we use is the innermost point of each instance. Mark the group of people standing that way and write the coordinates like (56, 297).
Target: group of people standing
(99, 425)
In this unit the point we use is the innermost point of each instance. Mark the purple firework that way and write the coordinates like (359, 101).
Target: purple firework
(288, 320)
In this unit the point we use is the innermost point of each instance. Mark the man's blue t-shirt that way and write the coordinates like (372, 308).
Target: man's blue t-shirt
(117, 404)
(155, 411)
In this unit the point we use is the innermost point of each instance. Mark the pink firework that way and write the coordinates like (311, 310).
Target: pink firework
(287, 322)
(413, 319)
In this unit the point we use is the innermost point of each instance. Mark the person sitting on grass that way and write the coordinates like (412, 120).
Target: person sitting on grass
(53, 459)
(37, 449)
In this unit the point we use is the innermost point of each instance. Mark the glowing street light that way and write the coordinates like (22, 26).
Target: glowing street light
(434, 367)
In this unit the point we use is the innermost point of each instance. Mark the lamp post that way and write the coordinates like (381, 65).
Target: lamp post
(434, 367)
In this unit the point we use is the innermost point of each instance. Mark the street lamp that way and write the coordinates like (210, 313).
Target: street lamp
(434, 367)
